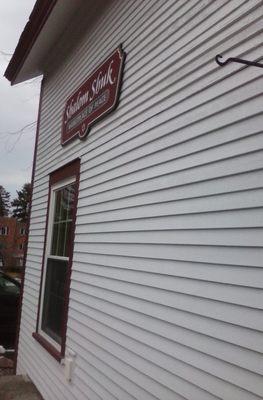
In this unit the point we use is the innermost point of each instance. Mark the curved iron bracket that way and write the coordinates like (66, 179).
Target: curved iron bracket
(238, 60)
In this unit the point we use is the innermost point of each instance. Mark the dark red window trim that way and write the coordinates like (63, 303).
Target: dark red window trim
(44, 343)
(69, 170)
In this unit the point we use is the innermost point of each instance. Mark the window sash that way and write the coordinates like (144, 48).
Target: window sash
(54, 298)
(54, 188)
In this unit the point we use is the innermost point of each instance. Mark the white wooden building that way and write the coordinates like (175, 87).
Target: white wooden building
(166, 296)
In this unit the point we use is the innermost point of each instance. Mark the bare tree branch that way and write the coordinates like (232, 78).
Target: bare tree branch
(9, 147)
(22, 130)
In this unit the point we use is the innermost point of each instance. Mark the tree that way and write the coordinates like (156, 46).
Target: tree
(4, 202)
(21, 203)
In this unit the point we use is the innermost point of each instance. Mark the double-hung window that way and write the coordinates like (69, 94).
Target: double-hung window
(53, 304)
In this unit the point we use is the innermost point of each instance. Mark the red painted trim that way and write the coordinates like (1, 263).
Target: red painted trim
(27, 228)
(37, 20)
(54, 352)
(66, 171)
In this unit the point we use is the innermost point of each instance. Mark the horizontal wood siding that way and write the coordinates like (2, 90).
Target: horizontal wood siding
(167, 284)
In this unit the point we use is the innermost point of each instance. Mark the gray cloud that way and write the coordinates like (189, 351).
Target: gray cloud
(19, 104)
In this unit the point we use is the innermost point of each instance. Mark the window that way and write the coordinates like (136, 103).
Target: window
(21, 246)
(57, 260)
(22, 231)
(19, 262)
(4, 230)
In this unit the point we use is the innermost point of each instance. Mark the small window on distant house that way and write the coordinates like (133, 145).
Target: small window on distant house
(21, 246)
(19, 262)
(58, 258)
(4, 230)
(22, 231)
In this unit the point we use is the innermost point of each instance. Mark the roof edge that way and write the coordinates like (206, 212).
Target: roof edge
(38, 17)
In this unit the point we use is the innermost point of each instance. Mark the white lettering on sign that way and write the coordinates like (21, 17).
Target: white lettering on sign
(94, 99)
(101, 81)
(98, 84)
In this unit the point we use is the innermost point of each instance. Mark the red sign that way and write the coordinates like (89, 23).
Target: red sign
(95, 98)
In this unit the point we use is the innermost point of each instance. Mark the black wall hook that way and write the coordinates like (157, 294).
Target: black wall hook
(238, 60)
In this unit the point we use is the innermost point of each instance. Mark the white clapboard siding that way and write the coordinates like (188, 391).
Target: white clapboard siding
(167, 280)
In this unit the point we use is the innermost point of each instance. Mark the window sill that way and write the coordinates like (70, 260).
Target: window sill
(47, 346)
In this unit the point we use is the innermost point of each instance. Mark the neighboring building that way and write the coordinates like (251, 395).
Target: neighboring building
(159, 294)
(12, 244)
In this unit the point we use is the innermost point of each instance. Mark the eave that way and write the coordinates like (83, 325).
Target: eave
(46, 23)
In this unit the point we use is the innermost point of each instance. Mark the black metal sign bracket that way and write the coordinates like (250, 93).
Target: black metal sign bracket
(238, 60)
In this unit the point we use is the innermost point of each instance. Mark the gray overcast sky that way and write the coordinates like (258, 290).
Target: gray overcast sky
(19, 104)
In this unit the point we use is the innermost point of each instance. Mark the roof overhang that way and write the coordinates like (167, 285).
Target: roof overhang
(46, 23)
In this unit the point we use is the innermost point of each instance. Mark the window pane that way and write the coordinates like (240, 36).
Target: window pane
(71, 198)
(63, 204)
(54, 240)
(64, 201)
(67, 239)
(57, 205)
(59, 234)
(54, 298)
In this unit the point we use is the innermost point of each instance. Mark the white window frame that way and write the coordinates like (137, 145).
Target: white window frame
(53, 189)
